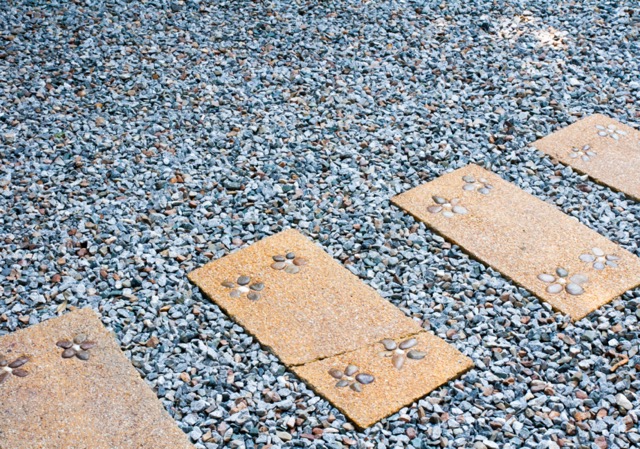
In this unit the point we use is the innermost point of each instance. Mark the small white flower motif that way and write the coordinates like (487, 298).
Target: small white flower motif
(585, 153)
(562, 281)
(611, 131)
(480, 185)
(449, 208)
(599, 259)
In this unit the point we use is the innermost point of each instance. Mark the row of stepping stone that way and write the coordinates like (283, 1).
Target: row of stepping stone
(364, 355)
(345, 341)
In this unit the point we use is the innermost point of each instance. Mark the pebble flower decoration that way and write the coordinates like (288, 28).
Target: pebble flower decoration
(610, 131)
(400, 352)
(78, 347)
(448, 208)
(562, 280)
(585, 153)
(13, 368)
(351, 377)
(243, 286)
(599, 260)
(480, 185)
(289, 263)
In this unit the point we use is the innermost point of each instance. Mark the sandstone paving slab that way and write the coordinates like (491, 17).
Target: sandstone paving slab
(57, 393)
(304, 305)
(376, 381)
(533, 243)
(604, 149)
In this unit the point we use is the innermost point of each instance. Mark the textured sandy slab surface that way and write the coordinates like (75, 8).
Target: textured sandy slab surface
(319, 311)
(397, 377)
(603, 148)
(526, 239)
(68, 403)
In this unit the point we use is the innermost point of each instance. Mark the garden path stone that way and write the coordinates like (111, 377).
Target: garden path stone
(318, 311)
(601, 147)
(390, 388)
(349, 344)
(561, 261)
(86, 395)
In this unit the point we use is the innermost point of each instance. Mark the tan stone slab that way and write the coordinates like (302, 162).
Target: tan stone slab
(392, 388)
(69, 403)
(523, 237)
(322, 310)
(607, 150)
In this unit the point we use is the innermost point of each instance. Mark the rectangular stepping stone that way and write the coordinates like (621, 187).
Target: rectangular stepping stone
(529, 241)
(604, 149)
(85, 396)
(378, 380)
(303, 308)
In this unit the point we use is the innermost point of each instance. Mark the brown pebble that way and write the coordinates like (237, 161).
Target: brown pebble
(83, 355)
(389, 344)
(398, 360)
(243, 280)
(20, 372)
(278, 258)
(68, 353)
(410, 343)
(350, 370)
(365, 379)
(228, 284)
(300, 261)
(17, 363)
(88, 345)
(416, 355)
(65, 344)
(291, 256)
(291, 269)
(278, 265)
(4, 376)
(79, 339)
(253, 296)
(336, 373)
(152, 342)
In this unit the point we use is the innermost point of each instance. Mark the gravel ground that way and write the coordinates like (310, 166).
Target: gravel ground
(141, 139)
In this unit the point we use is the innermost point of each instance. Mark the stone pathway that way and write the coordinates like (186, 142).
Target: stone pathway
(65, 383)
(404, 369)
(531, 242)
(603, 148)
(326, 325)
